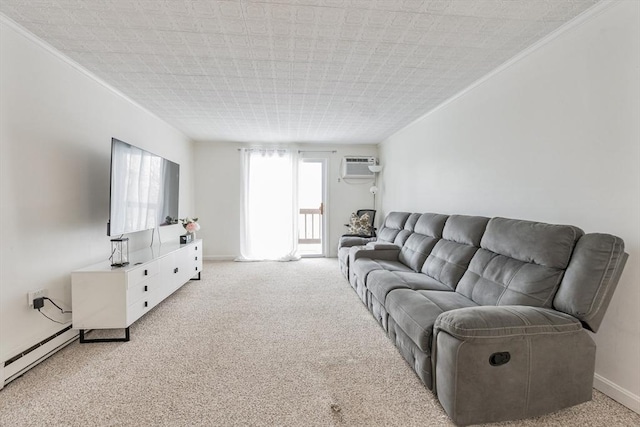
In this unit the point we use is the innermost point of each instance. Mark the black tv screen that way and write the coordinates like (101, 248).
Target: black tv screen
(144, 190)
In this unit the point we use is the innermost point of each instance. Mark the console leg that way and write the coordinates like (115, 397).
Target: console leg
(84, 340)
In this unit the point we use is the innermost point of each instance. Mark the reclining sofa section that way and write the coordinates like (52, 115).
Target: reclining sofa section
(490, 313)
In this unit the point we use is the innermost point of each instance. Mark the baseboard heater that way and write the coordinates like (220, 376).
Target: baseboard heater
(35, 354)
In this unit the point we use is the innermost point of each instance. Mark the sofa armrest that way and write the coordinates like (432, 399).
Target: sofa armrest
(349, 241)
(390, 254)
(485, 322)
(532, 360)
(381, 246)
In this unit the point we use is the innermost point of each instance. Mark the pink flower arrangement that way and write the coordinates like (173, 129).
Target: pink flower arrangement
(190, 224)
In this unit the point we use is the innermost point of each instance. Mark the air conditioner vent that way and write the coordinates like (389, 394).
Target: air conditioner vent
(357, 167)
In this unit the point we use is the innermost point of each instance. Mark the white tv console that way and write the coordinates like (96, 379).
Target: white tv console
(106, 297)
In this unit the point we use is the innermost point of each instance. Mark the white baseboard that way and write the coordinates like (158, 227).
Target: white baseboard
(617, 393)
(28, 361)
(219, 258)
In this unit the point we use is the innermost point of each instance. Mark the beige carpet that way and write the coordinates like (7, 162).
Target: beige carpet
(252, 344)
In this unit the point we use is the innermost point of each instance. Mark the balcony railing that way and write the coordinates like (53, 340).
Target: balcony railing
(310, 226)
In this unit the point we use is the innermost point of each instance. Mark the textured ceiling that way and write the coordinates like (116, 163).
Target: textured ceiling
(339, 71)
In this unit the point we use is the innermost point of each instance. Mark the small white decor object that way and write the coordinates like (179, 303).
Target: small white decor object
(119, 252)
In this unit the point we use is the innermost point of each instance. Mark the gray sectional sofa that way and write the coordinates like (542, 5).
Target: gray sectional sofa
(492, 314)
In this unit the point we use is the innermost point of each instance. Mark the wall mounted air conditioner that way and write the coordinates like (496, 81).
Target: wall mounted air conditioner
(357, 167)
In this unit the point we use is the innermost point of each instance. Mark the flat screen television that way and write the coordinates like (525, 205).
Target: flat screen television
(144, 190)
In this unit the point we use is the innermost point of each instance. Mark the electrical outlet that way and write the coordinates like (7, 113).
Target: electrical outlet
(35, 294)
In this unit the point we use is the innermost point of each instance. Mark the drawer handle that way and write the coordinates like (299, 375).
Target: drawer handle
(196, 268)
(146, 304)
(146, 288)
(196, 258)
(146, 273)
(196, 248)
(175, 270)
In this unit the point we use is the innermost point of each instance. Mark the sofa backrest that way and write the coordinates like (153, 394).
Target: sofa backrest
(393, 224)
(418, 246)
(450, 257)
(591, 278)
(519, 263)
(409, 227)
(502, 261)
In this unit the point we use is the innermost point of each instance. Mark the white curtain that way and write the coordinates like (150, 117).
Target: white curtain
(268, 229)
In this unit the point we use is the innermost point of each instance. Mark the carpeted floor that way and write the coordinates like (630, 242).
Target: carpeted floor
(251, 344)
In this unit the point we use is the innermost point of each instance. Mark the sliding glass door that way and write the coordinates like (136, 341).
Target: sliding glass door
(311, 202)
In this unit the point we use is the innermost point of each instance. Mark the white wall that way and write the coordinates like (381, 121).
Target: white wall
(217, 185)
(56, 125)
(553, 137)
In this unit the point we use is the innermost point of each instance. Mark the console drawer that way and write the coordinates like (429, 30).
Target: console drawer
(137, 275)
(140, 290)
(138, 309)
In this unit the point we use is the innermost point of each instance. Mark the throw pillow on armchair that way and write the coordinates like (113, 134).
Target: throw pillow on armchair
(360, 225)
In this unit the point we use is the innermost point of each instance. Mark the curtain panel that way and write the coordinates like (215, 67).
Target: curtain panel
(268, 226)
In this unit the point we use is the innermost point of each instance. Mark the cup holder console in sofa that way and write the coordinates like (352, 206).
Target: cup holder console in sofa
(492, 314)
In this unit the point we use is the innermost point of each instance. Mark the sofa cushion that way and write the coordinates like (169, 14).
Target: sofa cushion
(494, 279)
(361, 267)
(532, 242)
(416, 250)
(447, 300)
(427, 231)
(410, 224)
(448, 261)
(381, 282)
(464, 229)
(401, 237)
(450, 257)
(430, 224)
(393, 223)
(520, 263)
(415, 312)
